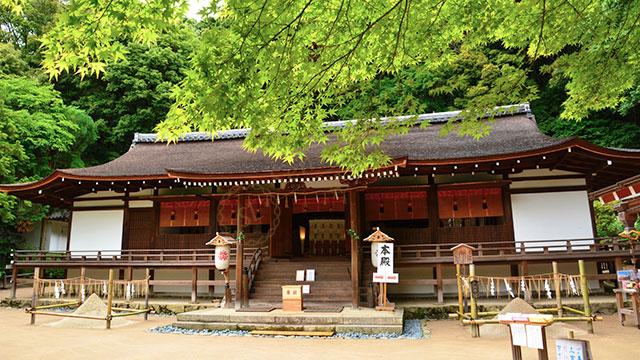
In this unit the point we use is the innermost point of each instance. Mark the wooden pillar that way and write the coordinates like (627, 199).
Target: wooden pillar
(129, 273)
(125, 223)
(239, 251)
(213, 227)
(14, 281)
(475, 328)
(194, 284)
(355, 249)
(34, 295)
(109, 298)
(432, 210)
(151, 275)
(439, 283)
(146, 295)
(460, 299)
(584, 285)
(556, 288)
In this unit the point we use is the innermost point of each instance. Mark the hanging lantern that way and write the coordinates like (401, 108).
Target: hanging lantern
(223, 250)
(376, 238)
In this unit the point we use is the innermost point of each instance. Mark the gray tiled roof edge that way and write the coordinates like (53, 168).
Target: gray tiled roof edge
(433, 118)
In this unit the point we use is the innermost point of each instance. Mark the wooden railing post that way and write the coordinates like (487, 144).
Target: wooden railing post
(14, 281)
(194, 284)
(34, 295)
(109, 298)
(146, 294)
(439, 283)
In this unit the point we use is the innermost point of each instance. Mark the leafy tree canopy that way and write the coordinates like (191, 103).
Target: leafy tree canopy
(133, 95)
(282, 68)
(38, 133)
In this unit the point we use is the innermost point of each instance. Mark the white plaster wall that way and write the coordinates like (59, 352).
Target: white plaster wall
(552, 216)
(97, 230)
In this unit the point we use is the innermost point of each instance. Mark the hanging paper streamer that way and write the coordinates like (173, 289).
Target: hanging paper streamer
(62, 290)
(508, 288)
(547, 288)
(465, 285)
(492, 287)
(572, 285)
(82, 292)
(523, 287)
(104, 288)
(56, 291)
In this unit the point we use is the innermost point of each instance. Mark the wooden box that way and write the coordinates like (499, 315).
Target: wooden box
(292, 297)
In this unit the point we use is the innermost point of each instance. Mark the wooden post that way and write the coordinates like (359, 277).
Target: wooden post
(439, 284)
(475, 328)
(556, 287)
(239, 252)
(109, 298)
(194, 284)
(584, 285)
(239, 266)
(543, 354)
(34, 295)
(525, 271)
(83, 273)
(227, 290)
(355, 253)
(516, 351)
(212, 288)
(151, 275)
(129, 273)
(146, 294)
(460, 300)
(14, 281)
(245, 289)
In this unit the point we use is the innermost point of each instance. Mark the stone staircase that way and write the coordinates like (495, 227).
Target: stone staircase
(332, 285)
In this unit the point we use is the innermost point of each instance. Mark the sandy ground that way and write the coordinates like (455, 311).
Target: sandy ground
(19, 340)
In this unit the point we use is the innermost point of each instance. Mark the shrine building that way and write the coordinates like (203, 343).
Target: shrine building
(520, 198)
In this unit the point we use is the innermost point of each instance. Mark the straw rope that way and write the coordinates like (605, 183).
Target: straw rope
(523, 286)
(80, 288)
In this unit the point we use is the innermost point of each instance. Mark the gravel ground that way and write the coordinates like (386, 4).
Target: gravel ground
(448, 340)
(412, 330)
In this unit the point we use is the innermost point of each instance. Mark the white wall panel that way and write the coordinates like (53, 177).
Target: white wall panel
(552, 216)
(97, 230)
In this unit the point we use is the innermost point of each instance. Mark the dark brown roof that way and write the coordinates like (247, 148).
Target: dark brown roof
(511, 134)
(514, 143)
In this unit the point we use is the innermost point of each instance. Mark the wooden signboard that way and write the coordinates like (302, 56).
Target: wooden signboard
(462, 254)
(568, 349)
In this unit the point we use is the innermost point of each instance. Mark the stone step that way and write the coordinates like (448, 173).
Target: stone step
(366, 329)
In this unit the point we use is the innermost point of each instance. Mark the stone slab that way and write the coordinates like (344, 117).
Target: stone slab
(369, 329)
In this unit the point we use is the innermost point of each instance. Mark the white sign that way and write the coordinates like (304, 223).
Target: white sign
(299, 275)
(306, 289)
(392, 278)
(385, 258)
(518, 334)
(572, 349)
(311, 275)
(534, 337)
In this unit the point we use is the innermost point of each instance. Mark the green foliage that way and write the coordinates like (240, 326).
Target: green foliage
(607, 222)
(23, 29)
(283, 68)
(133, 95)
(38, 133)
